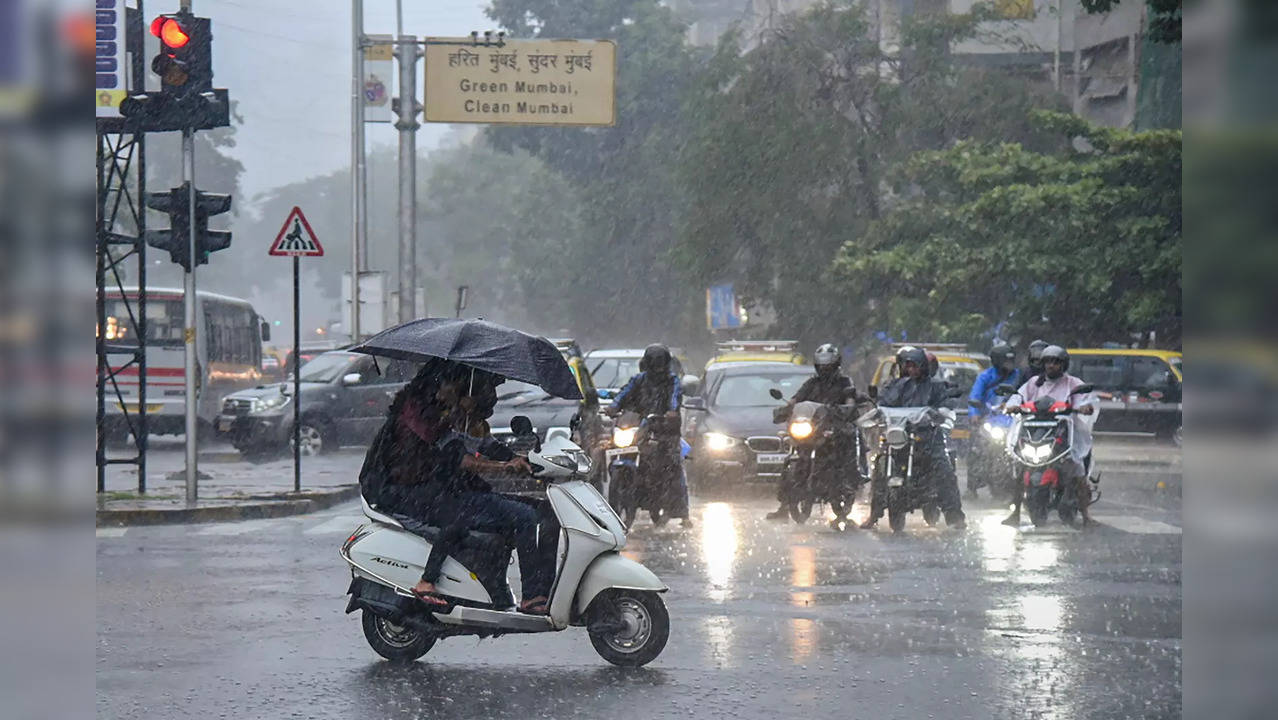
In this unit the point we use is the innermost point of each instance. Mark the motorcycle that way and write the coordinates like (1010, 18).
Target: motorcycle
(617, 600)
(640, 474)
(1042, 447)
(989, 464)
(823, 464)
(893, 436)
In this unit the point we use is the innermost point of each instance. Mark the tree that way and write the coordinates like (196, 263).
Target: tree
(1082, 243)
(625, 283)
(793, 140)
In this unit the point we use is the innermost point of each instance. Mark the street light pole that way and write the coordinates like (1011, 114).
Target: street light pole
(359, 227)
(407, 53)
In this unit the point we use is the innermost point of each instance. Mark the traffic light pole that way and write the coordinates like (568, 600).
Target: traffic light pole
(189, 320)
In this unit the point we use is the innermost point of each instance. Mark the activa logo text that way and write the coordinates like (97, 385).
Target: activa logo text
(392, 563)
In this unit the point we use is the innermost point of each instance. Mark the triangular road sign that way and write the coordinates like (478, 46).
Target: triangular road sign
(296, 238)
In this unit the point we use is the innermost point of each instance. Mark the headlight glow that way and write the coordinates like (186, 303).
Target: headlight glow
(269, 402)
(623, 437)
(1038, 453)
(800, 429)
(718, 441)
(995, 431)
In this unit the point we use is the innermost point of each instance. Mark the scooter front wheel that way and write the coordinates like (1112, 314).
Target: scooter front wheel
(393, 641)
(629, 627)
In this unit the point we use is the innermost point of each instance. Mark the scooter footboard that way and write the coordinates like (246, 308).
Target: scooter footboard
(611, 570)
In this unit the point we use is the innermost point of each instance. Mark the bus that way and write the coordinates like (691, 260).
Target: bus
(228, 351)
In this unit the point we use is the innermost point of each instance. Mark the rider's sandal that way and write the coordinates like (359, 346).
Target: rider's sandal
(536, 606)
(430, 597)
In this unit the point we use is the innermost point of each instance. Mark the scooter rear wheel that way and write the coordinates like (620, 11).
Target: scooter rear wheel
(395, 642)
(631, 626)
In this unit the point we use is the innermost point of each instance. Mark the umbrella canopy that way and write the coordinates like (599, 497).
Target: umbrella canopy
(481, 345)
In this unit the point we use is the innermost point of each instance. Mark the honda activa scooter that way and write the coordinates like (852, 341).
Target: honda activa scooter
(617, 600)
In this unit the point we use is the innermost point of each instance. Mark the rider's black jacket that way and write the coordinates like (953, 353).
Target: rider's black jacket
(832, 390)
(907, 392)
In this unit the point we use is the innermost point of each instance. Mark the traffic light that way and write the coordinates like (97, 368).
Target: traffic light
(176, 239)
(187, 98)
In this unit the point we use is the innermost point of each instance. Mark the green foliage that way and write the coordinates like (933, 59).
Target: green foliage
(792, 141)
(1083, 243)
(618, 267)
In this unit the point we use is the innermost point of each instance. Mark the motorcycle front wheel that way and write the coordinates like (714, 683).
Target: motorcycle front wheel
(897, 510)
(395, 642)
(628, 627)
(1037, 500)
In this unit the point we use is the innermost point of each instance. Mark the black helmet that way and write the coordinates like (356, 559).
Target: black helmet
(1002, 354)
(909, 353)
(827, 359)
(1056, 352)
(656, 359)
(1036, 355)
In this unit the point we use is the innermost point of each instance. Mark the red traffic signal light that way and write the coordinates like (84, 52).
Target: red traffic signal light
(169, 31)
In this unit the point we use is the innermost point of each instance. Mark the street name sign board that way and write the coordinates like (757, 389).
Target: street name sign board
(521, 82)
(296, 238)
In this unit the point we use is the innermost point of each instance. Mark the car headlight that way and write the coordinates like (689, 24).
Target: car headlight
(623, 437)
(718, 441)
(270, 402)
(800, 429)
(995, 431)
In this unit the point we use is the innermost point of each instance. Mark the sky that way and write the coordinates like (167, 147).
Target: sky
(288, 65)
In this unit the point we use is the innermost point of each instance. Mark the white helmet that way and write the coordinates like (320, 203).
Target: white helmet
(827, 359)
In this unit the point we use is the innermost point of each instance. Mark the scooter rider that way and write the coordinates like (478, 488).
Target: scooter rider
(656, 390)
(1058, 384)
(828, 386)
(915, 388)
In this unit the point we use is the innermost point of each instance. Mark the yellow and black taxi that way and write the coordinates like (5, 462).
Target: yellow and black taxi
(729, 423)
(1139, 389)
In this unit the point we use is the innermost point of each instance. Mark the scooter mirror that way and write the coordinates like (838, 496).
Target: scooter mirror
(521, 425)
(776, 394)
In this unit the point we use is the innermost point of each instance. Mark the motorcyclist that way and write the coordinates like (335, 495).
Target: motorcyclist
(1034, 358)
(656, 390)
(828, 386)
(1058, 384)
(915, 388)
(1002, 371)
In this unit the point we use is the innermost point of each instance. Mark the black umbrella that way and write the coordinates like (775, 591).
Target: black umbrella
(481, 345)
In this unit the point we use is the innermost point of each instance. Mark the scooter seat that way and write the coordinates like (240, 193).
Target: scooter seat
(473, 539)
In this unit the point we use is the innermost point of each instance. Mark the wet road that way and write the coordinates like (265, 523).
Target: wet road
(245, 620)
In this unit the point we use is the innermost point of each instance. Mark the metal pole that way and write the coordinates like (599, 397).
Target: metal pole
(399, 17)
(104, 368)
(188, 320)
(406, 50)
(297, 383)
(1056, 55)
(359, 228)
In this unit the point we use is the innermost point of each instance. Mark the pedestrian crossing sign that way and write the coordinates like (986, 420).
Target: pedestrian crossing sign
(296, 238)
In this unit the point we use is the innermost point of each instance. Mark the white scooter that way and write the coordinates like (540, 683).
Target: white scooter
(616, 599)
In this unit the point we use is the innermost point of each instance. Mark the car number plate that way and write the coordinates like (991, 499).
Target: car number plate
(896, 481)
(772, 458)
(224, 424)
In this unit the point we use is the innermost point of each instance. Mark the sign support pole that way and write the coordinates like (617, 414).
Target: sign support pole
(407, 124)
(190, 368)
(297, 374)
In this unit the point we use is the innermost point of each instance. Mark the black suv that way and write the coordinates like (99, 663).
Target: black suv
(344, 396)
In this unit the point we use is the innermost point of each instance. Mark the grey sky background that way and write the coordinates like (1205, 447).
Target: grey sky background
(288, 64)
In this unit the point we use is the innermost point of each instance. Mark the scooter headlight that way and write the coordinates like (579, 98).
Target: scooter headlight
(994, 431)
(800, 429)
(718, 441)
(623, 437)
(1037, 453)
